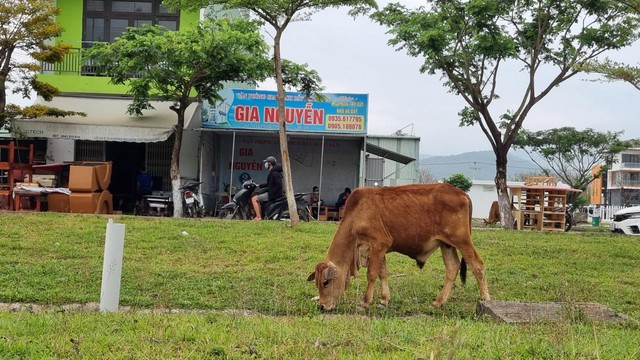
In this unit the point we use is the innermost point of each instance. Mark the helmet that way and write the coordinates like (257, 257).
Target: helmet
(270, 160)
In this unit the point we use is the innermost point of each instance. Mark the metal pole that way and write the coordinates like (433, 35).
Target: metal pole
(320, 182)
(233, 151)
(364, 162)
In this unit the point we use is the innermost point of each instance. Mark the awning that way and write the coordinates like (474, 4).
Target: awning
(106, 120)
(388, 154)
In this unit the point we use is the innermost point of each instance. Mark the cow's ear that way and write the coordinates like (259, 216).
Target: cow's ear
(312, 276)
(330, 272)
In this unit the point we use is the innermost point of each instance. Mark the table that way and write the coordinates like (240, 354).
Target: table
(29, 194)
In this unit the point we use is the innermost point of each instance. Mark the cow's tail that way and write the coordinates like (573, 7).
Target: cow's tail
(463, 264)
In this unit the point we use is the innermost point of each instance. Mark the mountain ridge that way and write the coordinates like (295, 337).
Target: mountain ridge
(476, 165)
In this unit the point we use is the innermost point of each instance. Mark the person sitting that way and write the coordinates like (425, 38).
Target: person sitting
(273, 185)
(342, 198)
(314, 198)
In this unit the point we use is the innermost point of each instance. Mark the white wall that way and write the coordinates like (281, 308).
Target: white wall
(340, 164)
(482, 194)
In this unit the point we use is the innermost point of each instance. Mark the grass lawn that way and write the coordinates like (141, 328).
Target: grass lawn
(261, 267)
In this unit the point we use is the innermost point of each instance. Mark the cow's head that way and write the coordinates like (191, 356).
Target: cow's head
(331, 282)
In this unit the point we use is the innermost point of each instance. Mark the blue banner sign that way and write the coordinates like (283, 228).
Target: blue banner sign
(258, 110)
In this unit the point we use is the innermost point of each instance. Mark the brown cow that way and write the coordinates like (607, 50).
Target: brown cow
(414, 220)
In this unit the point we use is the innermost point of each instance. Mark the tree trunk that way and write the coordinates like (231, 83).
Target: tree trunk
(504, 200)
(4, 73)
(175, 162)
(282, 132)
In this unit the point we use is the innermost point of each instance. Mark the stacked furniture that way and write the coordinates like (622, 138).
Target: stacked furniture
(15, 162)
(88, 183)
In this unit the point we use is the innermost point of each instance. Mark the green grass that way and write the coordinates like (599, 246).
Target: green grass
(49, 258)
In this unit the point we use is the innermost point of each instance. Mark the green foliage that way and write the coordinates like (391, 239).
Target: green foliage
(460, 181)
(571, 154)
(250, 280)
(26, 27)
(615, 71)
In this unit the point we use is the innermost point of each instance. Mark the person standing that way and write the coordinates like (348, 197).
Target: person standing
(273, 185)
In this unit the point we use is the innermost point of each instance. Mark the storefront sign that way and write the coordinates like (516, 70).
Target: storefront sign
(258, 110)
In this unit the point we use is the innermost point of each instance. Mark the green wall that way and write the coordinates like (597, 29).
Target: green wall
(70, 19)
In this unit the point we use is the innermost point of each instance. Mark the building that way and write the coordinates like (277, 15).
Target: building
(219, 156)
(623, 179)
(482, 194)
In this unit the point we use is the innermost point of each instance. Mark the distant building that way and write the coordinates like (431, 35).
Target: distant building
(623, 179)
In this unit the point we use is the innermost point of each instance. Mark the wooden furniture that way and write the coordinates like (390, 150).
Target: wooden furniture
(14, 160)
(27, 194)
(539, 207)
(326, 213)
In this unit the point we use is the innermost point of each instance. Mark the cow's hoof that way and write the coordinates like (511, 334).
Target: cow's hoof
(382, 306)
(364, 305)
(436, 304)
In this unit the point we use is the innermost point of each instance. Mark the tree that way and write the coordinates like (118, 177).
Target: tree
(571, 154)
(460, 181)
(613, 70)
(278, 14)
(426, 177)
(25, 28)
(173, 66)
(473, 44)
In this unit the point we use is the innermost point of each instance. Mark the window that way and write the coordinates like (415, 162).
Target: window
(93, 30)
(105, 20)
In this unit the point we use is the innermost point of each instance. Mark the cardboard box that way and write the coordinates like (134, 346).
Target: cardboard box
(58, 202)
(89, 176)
(91, 203)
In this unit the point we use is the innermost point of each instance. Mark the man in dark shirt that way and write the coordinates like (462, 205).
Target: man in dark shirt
(342, 198)
(274, 186)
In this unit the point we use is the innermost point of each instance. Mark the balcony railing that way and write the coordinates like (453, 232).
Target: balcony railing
(73, 63)
(630, 165)
(627, 184)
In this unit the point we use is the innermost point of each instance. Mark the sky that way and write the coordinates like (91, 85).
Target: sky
(352, 56)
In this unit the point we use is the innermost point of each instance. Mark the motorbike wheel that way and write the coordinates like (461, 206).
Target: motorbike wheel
(191, 211)
(568, 223)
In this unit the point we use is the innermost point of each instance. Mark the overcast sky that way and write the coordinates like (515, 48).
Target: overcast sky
(352, 56)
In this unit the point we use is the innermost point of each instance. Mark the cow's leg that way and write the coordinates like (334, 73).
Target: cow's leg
(385, 294)
(472, 258)
(376, 261)
(451, 266)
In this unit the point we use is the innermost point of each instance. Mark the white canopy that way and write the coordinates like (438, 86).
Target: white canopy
(106, 120)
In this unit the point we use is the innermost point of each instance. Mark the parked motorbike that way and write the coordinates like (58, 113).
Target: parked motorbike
(159, 203)
(240, 207)
(192, 199)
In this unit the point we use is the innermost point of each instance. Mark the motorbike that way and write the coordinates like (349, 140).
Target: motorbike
(192, 199)
(159, 203)
(240, 207)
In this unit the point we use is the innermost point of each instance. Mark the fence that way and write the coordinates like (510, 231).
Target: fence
(605, 212)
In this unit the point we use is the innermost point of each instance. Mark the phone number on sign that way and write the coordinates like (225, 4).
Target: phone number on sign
(345, 122)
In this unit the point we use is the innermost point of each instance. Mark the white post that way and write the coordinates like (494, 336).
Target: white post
(112, 267)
